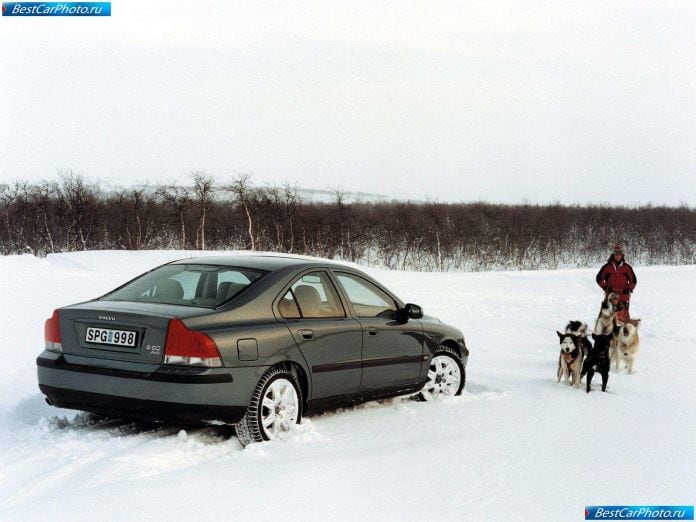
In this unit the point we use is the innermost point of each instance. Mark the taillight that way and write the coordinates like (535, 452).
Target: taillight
(189, 348)
(52, 333)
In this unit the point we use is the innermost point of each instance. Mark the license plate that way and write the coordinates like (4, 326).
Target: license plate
(108, 336)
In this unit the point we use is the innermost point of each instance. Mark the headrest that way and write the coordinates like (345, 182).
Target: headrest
(169, 289)
(309, 300)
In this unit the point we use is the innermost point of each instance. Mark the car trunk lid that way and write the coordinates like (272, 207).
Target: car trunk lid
(119, 331)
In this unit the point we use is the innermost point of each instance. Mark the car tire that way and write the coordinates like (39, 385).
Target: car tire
(446, 375)
(279, 389)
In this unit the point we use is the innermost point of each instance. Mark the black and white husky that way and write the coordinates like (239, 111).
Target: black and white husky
(574, 346)
(598, 360)
(577, 328)
(569, 360)
(580, 329)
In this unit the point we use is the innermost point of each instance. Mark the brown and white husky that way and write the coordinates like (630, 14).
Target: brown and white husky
(625, 345)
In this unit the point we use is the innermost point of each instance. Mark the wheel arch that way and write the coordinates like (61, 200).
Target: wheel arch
(451, 343)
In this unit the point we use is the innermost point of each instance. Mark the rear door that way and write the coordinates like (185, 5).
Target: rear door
(392, 351)
(330, 340)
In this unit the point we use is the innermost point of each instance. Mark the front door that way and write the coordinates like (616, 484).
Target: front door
(392, 351)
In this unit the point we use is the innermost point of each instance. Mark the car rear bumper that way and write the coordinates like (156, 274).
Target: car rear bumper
(167, 393)
(126, 407)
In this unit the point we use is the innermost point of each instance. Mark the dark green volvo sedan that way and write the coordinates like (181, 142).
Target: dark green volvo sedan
(257, 341)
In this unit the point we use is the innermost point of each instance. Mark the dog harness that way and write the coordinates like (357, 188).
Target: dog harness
(569, 357)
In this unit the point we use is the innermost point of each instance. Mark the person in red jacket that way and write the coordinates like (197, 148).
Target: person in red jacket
(617, 276)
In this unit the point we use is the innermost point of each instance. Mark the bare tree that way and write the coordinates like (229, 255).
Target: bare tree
(291, 202)
(8, 195)
(203, 189)
(138, 198)
(80, 197)
(121, 199)
(272, 204)
(179, 197)
(339, 196)
(42, 196)
(23, 214)
(244, 194)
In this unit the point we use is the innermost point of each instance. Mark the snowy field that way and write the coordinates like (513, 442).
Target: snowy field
(515, 446)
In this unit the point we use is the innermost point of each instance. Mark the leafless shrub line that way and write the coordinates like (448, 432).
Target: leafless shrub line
(72, 214)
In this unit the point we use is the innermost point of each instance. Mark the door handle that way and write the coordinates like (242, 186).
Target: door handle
(372, 331)
(306, 334)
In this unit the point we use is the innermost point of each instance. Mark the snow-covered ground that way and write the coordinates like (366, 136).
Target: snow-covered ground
(515, 446)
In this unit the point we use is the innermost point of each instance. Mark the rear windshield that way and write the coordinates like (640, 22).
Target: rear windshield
(187, 285)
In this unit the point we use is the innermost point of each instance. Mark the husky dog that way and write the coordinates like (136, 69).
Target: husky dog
(576, 328)
(598, 360)
(606, 320)
(580, 329)
(625, 345)
(570, 359)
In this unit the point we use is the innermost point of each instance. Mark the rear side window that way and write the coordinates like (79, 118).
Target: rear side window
(288, 307)
(367, 299)
(312, 296)
(187, 285)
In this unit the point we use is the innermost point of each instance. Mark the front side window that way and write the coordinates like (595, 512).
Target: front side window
(187, 285)
(367, 299)
(311, 296)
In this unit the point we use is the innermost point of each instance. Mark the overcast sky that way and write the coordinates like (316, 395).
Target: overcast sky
(575, 102)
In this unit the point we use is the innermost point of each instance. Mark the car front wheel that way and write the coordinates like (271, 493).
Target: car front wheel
(275, 408)
(446, 375)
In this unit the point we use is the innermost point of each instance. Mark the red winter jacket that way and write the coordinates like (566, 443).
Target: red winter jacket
(619, 278)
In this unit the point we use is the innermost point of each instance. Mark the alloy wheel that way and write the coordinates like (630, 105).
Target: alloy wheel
(444, 378)
(279, 408)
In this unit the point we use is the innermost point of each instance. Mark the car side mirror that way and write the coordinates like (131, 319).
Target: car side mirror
(410, 311)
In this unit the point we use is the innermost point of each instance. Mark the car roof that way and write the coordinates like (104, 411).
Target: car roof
(270, 263)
